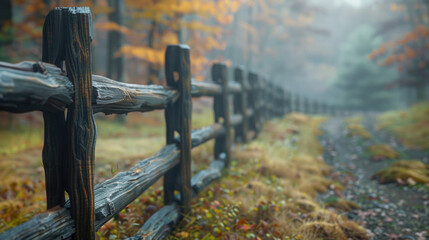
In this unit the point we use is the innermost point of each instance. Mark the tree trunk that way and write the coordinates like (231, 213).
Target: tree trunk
(421, 92)
(5, 19)
(115, 64)
(153, 71)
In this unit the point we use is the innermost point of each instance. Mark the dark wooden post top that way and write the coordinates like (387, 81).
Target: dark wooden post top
(178, 117)
(81, 129)
(240, 106)
(222, 112)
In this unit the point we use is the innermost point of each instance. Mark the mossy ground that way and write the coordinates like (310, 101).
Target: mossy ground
(410, 126)
(354, 127)
(380, 152)
(269, 192)
(408, 172)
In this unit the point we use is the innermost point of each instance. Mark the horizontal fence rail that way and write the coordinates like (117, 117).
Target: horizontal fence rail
(68, 99)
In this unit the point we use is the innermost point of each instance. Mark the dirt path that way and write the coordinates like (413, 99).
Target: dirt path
(389, 211)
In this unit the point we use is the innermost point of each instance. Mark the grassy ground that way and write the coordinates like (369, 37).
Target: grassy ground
(410, 126)
(269, 192)
(379, 152)
(119, 146)
(354, 127)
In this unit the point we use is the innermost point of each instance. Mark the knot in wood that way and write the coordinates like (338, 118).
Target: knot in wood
(40, 68)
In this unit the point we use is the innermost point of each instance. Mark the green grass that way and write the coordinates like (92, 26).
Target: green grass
(410, 126)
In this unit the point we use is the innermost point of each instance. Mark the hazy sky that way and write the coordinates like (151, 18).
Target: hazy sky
(356, 3)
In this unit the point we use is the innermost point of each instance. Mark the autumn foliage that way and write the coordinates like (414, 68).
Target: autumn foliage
(403, 52)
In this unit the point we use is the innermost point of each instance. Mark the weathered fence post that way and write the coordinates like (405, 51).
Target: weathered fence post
(178, 119)
(288, 101)
(297, 103)
(222, 148)
(325, 109)
(315, 107)
(254, 102)
(284, 103)
(240, 106)
(280, 104)
(306, 107)
(264, 97)
(271, 103)
(81, 127)
(53, 154)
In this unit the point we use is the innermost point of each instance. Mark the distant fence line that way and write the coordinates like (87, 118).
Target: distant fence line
(69, 139)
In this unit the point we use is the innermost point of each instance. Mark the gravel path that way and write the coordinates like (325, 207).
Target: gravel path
(388, 211)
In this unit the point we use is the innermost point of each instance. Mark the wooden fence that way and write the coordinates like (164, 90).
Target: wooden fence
(69, 98)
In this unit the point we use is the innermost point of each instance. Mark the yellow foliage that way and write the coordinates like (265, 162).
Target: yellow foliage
(111, 26)
(168, 38)
(144, 53)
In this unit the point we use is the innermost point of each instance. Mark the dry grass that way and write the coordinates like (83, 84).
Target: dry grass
(404, 172)
(341, 204)
(354, 127)
(119, 146)
(410, 126)
(270, 191)
(380, 152)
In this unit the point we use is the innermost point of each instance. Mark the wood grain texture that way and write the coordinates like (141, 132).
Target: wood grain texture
(24, 89)
(117, 97)
(54, 158)
(80, 121)
(240, 106)
(204, 134)
(54, 151)
(56, 223)
(207, 89)
(221, 107)
(200, 89)
(116, 193)
(159, 224)
(162, 222)
(204, 177)
(178, 119)
(111, 196)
